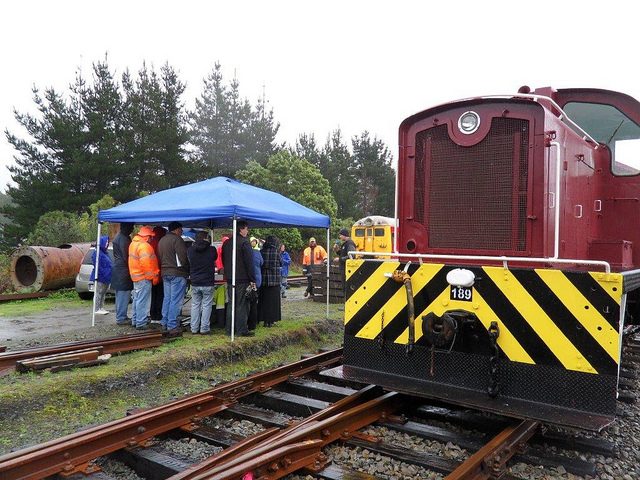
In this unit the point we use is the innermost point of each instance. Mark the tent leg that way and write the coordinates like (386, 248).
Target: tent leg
(328, 270)
(233, 282)
(95, 281)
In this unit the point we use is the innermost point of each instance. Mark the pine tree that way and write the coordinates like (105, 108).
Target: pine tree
(376, 177)
(227, 131)
(44, 168)
(208, 122)
(262, 131)
(174, 133)
(340, 172)
(101, 138)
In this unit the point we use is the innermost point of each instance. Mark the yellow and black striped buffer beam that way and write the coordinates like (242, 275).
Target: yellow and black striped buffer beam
(569, 320)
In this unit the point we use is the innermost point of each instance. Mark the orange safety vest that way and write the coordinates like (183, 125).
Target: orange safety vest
(319, 254)
(143, 263)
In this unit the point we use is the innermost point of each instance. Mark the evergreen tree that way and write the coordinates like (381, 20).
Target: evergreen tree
(262, 131)
(376, 178)
(340, 171)
(102, 108)
(307, 148)
(100, 138)
(227, 130)
(40, 184)
(174, 134)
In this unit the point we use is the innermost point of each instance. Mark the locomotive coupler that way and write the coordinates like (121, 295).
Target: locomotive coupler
(494, 332)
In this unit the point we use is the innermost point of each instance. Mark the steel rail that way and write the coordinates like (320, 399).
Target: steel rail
(12, 297)
(490, 461)
(136, 341)
(270, 457)
(72, 453)
(276, 434)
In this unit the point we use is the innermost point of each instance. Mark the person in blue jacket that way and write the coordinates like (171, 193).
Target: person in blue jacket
(285, 261)
(104, 274)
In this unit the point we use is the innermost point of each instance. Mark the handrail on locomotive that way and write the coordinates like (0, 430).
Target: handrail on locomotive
(501, 259)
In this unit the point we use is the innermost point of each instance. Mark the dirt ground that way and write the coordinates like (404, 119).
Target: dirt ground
(74, 324)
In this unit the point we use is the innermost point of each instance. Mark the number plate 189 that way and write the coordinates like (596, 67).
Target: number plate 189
(464, 294)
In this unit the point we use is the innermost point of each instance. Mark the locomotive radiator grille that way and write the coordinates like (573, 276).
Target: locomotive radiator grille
(459, 191)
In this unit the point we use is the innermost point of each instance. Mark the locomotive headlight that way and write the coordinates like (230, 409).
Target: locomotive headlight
(468, 122)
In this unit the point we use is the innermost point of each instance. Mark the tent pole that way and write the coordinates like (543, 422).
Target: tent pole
(328, 269)
(95, 281)
(233, 281)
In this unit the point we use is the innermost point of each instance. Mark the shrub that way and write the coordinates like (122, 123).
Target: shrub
(5, 277)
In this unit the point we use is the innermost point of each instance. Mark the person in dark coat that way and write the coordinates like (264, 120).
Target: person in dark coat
(245, 278)
(174, 267)
(120, 279)
(202, 271)
(348, 245)
(157, 291)
(269, 311)
(252, 322)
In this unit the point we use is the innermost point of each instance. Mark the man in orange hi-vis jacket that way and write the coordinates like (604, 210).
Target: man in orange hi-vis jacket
(314, 254)
(145, 272)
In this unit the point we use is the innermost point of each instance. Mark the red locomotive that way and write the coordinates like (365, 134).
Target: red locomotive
(516, 270)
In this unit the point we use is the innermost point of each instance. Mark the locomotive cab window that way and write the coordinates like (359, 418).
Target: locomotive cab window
(611, 127)
(379, 232)
(359, 232)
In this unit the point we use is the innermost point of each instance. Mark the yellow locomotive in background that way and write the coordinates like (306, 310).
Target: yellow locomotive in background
(374, 234)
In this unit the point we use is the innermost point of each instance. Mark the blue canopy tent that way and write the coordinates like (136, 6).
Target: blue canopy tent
(217, 203)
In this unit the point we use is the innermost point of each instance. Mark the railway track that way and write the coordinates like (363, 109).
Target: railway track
(294, 419)
(12, 297)
(126, 343)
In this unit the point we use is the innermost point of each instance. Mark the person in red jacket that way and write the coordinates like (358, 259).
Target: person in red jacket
(145, 272)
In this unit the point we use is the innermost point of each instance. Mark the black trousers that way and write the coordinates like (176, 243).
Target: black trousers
(157, 296)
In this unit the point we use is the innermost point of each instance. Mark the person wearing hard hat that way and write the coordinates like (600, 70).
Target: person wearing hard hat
(314, 254)
(145, 272)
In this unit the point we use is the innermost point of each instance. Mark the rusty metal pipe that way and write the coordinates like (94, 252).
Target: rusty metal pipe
(46, 268)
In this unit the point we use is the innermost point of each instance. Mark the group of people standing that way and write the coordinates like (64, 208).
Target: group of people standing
(258, 283)
(154, 268)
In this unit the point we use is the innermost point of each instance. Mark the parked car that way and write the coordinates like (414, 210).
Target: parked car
(84, 286)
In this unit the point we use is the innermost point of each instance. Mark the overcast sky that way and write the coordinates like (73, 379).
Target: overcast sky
(357, 65)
